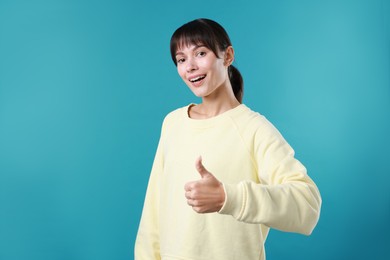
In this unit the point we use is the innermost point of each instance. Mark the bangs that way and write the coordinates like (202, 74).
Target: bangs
(193, 34)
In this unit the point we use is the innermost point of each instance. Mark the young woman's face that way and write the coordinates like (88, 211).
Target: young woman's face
(201, 69)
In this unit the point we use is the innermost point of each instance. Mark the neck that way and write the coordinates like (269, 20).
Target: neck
(211, 108)
(217, 103)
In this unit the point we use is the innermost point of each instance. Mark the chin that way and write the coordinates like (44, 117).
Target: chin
(199, 94)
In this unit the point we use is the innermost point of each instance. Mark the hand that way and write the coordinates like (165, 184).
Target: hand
(207, 194)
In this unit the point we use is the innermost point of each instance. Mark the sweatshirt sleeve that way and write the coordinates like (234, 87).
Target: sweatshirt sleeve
(284, 198)
(147, 244)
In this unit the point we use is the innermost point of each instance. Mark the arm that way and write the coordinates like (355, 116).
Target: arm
(147, 245)
(285, 199)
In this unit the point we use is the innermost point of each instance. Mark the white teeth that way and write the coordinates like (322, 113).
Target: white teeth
(197, 78)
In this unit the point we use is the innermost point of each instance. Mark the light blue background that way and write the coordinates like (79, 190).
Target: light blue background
(84, 86)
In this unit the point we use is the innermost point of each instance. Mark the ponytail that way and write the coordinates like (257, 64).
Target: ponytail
(237, 82)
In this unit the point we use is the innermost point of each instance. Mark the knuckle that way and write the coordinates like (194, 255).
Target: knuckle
(195, 194)
(187, 186)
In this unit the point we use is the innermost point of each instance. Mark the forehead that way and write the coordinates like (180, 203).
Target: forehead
(185, 44)
(188, 48)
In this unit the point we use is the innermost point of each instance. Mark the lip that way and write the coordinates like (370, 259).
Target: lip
(197, 83)
(195, 76)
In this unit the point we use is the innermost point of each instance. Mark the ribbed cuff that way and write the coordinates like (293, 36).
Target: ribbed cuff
(235, 200)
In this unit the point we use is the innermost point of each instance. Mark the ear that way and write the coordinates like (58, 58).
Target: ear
(229, 56)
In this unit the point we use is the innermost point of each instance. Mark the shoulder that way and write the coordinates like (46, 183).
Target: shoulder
(251, 123)
(175, 116)
(246, 117)
(176, 113)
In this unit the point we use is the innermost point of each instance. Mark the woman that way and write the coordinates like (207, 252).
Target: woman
(222, 204)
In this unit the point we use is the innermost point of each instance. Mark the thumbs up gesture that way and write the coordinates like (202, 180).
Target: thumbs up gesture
(207, 194)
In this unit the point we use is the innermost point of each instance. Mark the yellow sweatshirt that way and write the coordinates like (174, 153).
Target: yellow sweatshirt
(265, 187)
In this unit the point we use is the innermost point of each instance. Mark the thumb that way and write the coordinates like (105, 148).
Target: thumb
(200, 168)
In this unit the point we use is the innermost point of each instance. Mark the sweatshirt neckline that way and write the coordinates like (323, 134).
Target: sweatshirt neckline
(212, 120)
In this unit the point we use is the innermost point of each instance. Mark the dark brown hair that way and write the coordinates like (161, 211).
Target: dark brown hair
(212, 35)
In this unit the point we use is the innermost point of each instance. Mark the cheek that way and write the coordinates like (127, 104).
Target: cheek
(220, 72)
(181, 72)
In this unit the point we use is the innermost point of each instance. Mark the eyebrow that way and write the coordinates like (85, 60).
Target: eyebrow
(193, 49)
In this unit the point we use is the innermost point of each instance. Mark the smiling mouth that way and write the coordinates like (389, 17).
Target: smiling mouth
(197, 79)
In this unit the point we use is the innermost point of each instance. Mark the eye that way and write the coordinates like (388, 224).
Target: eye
(180, 60)
(201, 54)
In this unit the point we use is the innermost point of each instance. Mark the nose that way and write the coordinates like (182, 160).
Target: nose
(191, 65)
